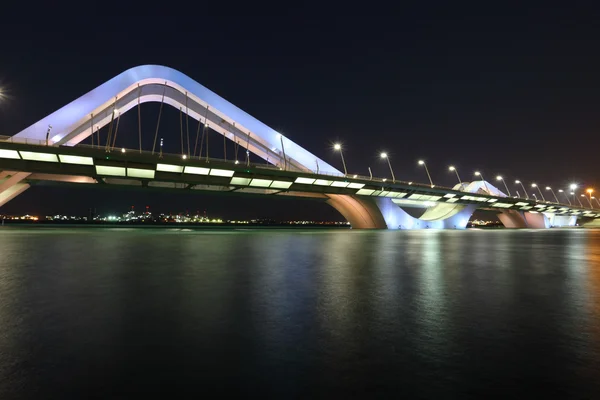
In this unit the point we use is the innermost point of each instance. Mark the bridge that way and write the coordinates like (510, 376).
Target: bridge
(51, 150)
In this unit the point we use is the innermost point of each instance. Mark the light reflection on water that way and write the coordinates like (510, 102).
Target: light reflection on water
(298, 312)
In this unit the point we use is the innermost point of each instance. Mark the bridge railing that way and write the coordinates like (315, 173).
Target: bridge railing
(38, 142)
(12, 139)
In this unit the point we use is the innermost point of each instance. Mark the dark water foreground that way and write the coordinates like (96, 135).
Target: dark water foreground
(111, 313)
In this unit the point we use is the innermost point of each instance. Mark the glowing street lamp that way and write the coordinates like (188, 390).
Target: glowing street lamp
(338, 147)
(589, 201)
(477, 173)
(452, 168)
(566, 197)
(384, 155)
(554, 194)
(573, 186)
(518, 182)
(539, 190)
(421, 162)
(589, 192)
(499, 178)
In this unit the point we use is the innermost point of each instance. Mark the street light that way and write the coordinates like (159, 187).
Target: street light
(554, 194)
(499, 178)
(589, 201)
(589, 192)
(384, 155)
(596, 200)
(451, 168)
(338, 147)
(535, 197)
(539, 190)
(566, 197)
(521, 183)
(573, 186)
(421, 162)
(477, 173)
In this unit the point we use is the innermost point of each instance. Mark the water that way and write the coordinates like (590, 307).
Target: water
(111, 313)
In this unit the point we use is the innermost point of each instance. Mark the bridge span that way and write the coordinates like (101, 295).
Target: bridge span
(40, 153)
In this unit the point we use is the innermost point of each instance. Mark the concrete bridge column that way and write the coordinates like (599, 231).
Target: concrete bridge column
(519, 219)
(512, 219)
(383, 213)
(361, 213)
(536, 220)
(11, 185)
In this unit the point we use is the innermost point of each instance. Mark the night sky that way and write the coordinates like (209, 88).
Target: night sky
(506, 91)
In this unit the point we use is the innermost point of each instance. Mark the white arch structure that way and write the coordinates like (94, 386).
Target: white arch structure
(149, 83)
(154, 83)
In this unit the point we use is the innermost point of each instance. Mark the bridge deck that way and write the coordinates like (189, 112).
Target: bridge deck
(132, 167)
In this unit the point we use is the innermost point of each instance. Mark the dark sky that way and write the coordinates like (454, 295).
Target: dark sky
(507, 91)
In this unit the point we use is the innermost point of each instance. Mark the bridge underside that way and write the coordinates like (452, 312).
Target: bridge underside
(359, 211)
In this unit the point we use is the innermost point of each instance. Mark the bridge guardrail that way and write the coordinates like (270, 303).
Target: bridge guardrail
(39, 142)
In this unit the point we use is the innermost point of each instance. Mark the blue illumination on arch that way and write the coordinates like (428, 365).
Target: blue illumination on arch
(78, 112)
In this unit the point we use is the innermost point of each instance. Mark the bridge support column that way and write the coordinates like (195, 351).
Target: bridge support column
(383, 213)
(361, 213)
(11, 185)
(561, 220)
(512, 219)
(536, 220)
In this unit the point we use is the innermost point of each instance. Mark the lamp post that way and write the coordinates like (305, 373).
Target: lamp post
(421, 162)
(534, 185)
(384, 155)
(280, 136)
(596, 200)
(535, 197)
(589, 201)
(566, 197)
(477, 173)
(338, 147)
(523, 186)
(47, 132)
(499, 178)
(589, 192)
(573, 186)
(554, 194)
(452, 168)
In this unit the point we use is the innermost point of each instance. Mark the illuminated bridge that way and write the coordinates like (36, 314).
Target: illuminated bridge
(40, 153)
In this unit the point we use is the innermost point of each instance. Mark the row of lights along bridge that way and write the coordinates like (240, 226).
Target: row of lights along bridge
(572, 187)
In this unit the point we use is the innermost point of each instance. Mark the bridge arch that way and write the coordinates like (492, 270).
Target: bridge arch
(149, 83)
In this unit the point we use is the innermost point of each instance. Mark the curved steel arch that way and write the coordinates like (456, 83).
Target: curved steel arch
(77, 120)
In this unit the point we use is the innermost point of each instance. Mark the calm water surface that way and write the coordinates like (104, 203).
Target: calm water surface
(111, 313)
